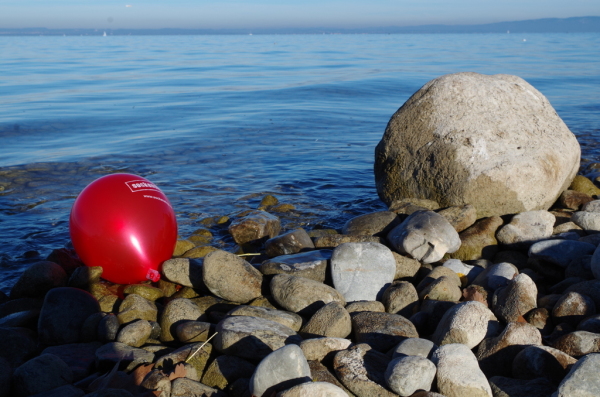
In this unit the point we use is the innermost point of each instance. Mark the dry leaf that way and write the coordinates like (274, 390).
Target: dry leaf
(140, 373)
(178, 372)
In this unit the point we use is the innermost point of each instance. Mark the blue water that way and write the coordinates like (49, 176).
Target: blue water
(219, 121)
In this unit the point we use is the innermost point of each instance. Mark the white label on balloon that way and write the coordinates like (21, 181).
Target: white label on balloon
(138, 185)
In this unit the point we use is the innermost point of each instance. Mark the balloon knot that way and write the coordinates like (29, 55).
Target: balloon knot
(153, 275)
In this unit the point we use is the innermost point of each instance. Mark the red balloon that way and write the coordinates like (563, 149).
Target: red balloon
(125, 224)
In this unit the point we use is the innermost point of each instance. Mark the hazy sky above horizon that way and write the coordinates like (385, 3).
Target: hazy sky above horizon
(211, 14)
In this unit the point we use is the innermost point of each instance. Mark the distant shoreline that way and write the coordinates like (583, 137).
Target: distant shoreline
(588, 24)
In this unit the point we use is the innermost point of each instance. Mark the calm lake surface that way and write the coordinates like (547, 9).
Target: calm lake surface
(219, 121)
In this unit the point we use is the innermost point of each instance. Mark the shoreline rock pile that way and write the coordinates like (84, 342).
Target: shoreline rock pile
(321, 313)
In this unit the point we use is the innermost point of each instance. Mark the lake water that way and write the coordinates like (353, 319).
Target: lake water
(219, 121)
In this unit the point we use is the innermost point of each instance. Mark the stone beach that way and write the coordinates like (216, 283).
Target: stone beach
(426, 299)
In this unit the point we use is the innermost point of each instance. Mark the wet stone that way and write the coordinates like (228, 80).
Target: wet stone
(289, 243)
(312, 265)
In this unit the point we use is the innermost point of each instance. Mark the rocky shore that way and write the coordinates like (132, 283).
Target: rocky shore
(414, 301)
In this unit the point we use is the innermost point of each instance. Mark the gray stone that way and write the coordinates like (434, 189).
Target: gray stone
(441, 289)
(542, 362)
(405, 266)
(224, 370)
(582, 380)
(382, 331)
(134, 307)
(592, 206)
(560, 252)
(38, 279)
(414, 347)
(62, 316)
(526, 228)
(466, 323)
(301, 295)
(573, 307)
(362, 370)
(135, 334)
(289, 243)
(230, 277)
(183, 387)
(320, 348)
(496, 355)
(192, 331)
(460, 217)
(80, 357)
(466, 272)
(375, 223)
(289, 319)
(311, 264)
(252, 337)
(314, 389)
(496, 276)
(176, 312)
(130, 357)
(280, 370)
(405, 375)
(401, 298)
(458, 373)
(587, 220)
(362, 271)
(330, 320)
(41, 374)
(332, 241)
(515, 299)
(254, 226)
(425, 236)
(508, 387)
(183, 271)
(108, 327)
(466, 133)
(578, 343)
(17, 345)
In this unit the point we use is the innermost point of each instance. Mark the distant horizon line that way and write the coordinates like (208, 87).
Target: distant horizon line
(541, 25)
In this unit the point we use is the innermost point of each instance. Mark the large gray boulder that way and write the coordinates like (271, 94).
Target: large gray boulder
(491, 141)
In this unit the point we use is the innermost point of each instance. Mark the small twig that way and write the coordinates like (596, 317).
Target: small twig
(201, 346)
(248, 254)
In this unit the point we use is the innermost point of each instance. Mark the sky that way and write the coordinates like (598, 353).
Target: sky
(218, 14)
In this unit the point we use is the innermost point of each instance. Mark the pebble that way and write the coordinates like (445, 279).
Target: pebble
(280, 370)
(301, 295)
(526, 228)
(331, 320)
(289, 243)
(437, 272)
(426, 236)
(515, 299)
(362, 271)
(135, 334)
(560, 252)
(573, 199)
(405, 267)
(407, 374)
(582, 380)
(41, 374)
(441, 289)
(176, 311)
(134, 307)
(458, 373)
(289, 319)
(382, 331)
(466, 323)
(321, 348)
(573, 307)
(254, 226)
(311, 264)
(252, 337)
(230, 277)
(372, 224)
(541, 362)
(589, 221)
(183, 271)
(414, 347)
(192, 331)
(401, 298)
(496, 276)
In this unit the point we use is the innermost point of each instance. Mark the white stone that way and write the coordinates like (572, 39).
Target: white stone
(405, 375)
(286, 366)
(592, 206)
(314, 389)
(465, 322)
(587, 220)
(362, 271)
(526, 228)
(458, 373)
(462, 269)
(582, 380)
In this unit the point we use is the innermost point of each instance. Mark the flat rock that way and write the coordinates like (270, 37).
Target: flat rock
(254, 226)
(362, 271)
(515, 299)
(62, 316)
(535, 362)
(183, 271)
(560, 252)
(289, 319)
(479, 241)
(526, 228)
(280, 370)
(230, 277)
(375, 223)
(301, 295)
(509, 387)
(38, 279)
(458, 373)
(311, 264)
(405, 375)
(252, 337)
(382, 331)
(333, 240)
(289, 243)
(331, 320)
(362, 370)
(466, 133)
(176, 312)
(425, 236)
(582, 380)
(466, 323)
